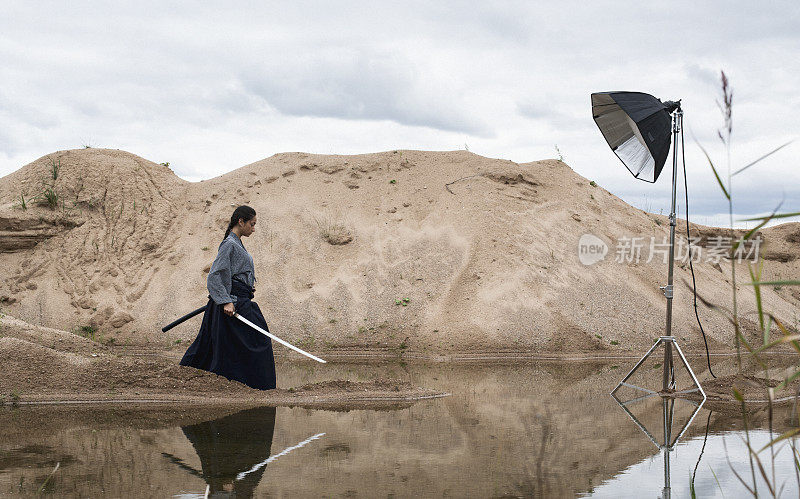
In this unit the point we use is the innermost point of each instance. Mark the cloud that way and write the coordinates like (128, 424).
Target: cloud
(551, 114)
(210, 89)
(703, 74)
(360, 84)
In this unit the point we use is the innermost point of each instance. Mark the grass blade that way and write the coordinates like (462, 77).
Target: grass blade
(773, 283)
(41, 489)
(761, 469)
(756, 277)
(716, 480)
(736, 473)
(785, 339)
(783, 329)
(757, 227)
(787, 381)
(776, 215)
(740, 170)
(788, 434)
(713, 169)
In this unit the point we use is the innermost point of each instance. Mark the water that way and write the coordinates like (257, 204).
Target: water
(645, 478)
(545, 429)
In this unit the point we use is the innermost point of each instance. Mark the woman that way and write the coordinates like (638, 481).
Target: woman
(225, 345)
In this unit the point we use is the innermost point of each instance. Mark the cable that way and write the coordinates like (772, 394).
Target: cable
(705, 438)
(689, 242)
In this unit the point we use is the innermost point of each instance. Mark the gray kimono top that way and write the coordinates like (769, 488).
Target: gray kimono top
(232, 262)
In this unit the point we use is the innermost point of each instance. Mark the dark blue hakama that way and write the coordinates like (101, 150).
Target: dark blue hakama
(229, 347)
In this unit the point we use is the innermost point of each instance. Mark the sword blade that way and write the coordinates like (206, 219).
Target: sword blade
(282, 342)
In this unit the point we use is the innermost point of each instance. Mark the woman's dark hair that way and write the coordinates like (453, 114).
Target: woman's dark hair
(244, 212)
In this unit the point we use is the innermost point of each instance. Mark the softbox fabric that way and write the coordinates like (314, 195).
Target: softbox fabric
(637, 127)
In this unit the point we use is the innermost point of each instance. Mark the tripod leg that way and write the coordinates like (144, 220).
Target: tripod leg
(691, 373)
(637, 365)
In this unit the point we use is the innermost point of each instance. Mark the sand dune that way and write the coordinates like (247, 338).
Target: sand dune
(402, 252)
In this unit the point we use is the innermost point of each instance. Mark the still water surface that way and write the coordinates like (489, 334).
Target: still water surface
(542, 429)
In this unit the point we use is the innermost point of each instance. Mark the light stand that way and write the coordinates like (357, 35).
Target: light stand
(668, 341)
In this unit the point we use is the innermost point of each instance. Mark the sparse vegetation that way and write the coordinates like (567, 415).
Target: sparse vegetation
(335, 233)
(614, 342)
(49, 197)
(55, 166)
(593, 183)
(404, 301)
(307, 343)
(165, 163)
(393, 181)
(88, 332)
(558, 153)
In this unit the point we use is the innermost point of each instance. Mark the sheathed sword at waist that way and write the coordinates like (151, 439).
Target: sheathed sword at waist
(183, 319)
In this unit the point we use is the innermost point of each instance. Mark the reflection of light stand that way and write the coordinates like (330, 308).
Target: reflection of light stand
(668, 409)
(668, 384)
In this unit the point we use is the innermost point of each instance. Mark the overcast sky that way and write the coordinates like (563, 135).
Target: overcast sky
(212, 89)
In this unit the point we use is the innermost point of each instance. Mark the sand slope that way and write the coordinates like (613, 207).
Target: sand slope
(487, 263)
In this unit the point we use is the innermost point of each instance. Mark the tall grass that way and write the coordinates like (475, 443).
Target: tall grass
(766, 319)
(725, 134)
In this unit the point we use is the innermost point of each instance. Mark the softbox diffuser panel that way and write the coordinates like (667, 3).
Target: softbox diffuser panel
(637, 127)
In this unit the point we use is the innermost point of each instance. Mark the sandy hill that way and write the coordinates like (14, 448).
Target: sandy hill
(405, 251)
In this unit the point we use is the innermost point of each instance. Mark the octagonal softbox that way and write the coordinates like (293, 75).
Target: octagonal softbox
(637, 127)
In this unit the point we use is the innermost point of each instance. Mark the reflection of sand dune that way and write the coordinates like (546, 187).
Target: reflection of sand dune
(546, 429)
(488, 263)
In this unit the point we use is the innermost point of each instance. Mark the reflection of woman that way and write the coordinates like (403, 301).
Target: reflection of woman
(225, 345)
(230, 451)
